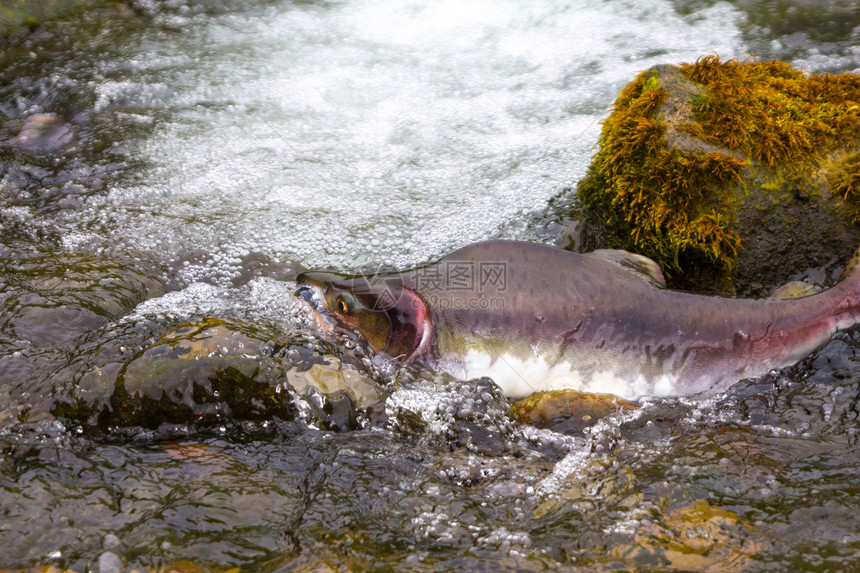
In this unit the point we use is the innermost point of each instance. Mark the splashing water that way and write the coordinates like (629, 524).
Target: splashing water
(376, 133)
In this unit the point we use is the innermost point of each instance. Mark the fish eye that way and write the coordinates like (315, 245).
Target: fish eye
(342, 305)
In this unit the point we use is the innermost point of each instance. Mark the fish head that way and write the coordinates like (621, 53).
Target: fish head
(388, 318)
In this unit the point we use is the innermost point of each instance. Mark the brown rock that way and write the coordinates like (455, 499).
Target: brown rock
(566, 410)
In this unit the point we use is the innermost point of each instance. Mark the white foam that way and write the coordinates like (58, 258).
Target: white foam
(261, 299)
(196, 299)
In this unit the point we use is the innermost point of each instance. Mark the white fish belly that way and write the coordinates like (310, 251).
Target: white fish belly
(518, 377)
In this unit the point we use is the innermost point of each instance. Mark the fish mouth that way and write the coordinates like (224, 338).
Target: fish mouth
(327, 325)
(311, 295)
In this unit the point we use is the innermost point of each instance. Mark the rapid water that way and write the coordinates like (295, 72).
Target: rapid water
(221, 148)
(371, 133)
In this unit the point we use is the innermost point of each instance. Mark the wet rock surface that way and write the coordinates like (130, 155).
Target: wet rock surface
(55, 305)
(211, 372)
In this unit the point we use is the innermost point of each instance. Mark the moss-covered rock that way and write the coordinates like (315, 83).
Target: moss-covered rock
(731, 175)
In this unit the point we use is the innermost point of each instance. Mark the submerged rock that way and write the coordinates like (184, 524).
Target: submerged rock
(53, 304)
(732, 176)
(109, 562)
(566, 411)
(696, 537)
(209, 372)
(45, 133)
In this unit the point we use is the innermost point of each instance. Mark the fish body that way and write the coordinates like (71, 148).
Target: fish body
(536, 318)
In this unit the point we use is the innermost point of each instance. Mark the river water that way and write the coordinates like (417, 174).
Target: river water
(216, 149)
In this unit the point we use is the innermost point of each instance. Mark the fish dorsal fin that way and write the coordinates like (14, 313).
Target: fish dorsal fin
(639, 264)
(792, 290)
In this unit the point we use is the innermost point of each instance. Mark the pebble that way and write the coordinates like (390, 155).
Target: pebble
(109, 562)
(112, 541)
(44, 133)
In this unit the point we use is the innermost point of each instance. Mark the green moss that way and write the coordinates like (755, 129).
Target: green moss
(845, 182)
(677, 203)
(651, 83)
(772, 112)
(700, 103)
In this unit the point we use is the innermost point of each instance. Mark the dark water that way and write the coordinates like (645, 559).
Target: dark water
(163, 401)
